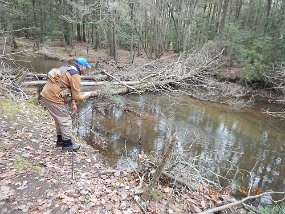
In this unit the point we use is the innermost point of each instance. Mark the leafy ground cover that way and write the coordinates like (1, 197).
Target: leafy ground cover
(35, 176)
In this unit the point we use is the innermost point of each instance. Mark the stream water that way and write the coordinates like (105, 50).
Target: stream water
(231, 142)
(34, 64)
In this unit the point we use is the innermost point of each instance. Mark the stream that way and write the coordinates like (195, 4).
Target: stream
(231, 142)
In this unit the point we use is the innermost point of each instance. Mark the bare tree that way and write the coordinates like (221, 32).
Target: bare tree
(222, 25)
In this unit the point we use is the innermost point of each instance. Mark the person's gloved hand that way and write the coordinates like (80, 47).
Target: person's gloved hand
(73, 108)
(87, 95)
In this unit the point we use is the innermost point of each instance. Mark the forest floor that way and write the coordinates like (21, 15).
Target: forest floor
(36, 177)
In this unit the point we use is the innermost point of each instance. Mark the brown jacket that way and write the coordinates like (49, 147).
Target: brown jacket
(71, 79)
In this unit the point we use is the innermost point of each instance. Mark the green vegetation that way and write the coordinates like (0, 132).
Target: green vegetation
(21, 163)
(156, 195)
(257, 54)
(277, 209)
(11, 109)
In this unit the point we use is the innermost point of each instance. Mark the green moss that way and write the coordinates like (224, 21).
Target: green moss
(156, 195)
(10, 109)
(20, 43)
(109, 91)
(121, 181)
(21, 163)
(32, 101)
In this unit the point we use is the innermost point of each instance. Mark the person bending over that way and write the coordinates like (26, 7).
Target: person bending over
(61, 82)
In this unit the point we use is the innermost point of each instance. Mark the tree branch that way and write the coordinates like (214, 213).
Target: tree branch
(227, 206)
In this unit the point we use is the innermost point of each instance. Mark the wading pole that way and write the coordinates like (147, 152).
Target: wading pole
(72, 161)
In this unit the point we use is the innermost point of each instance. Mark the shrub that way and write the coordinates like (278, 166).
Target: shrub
(257, 54)
(272, 210)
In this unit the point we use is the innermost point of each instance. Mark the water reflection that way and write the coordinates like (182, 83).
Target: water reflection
(34, 64)
(231, 143)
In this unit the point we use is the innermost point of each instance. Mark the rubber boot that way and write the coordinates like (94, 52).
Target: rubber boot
(59, 141)
(69, 146)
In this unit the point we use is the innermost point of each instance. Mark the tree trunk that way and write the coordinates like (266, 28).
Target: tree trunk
(257, 13)
(238, 9)
(213, 18)
(282, 18)
(222, 25)
(114, 42)
(268, 12)
(113, 35)
(132, 44)
(95, 36)
(95, 29)
(176, 43)
(249, 13)
(84, 29)
(78, 32)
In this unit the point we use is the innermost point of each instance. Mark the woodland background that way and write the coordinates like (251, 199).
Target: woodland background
(251, 32)
(247, 34)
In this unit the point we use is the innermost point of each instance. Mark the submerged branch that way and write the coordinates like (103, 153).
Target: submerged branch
(280, 114)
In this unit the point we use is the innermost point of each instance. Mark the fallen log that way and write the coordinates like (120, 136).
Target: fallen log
(187, 68)
(118, 91)
(42, 82)
(32, 76)
(83, 77)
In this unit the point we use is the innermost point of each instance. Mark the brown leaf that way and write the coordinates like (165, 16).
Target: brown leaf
(167, 189)
(61, 196)
(203, 204)
(94, 199)
(215, 198)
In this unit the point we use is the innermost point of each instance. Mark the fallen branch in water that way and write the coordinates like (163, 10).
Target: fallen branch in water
(280, 114)
(227, 206)
(123, 83)
(161, 165)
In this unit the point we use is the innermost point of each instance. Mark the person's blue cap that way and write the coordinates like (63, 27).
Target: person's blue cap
(82, 61)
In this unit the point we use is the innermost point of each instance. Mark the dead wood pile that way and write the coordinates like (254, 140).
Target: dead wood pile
(189, 73)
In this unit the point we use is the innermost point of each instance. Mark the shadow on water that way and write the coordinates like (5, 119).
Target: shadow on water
(230, 142)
